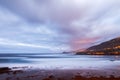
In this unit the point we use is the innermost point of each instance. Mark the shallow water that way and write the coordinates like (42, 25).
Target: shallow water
(60, 61)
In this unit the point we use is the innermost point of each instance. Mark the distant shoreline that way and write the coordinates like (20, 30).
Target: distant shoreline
(95, 53)
(100, 54)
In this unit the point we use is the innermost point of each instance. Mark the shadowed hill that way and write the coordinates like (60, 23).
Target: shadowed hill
(111, 47)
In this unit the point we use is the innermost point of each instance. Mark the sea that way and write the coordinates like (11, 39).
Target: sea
(60, 61)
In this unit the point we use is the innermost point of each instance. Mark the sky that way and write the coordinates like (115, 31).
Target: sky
(47, 26)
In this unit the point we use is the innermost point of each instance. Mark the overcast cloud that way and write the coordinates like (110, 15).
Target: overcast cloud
(57, 25)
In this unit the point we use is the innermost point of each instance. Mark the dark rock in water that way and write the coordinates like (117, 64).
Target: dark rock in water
(4, 70)
(17, 71)
(112, 60)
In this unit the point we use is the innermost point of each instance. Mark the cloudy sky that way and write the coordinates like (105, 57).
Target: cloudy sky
(56, 25)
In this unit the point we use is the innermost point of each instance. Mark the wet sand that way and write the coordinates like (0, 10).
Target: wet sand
(30, 73)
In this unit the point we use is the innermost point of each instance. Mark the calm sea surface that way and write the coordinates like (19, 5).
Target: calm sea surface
(60, 61)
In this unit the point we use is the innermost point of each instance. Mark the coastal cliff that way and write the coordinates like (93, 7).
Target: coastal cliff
(111, 47)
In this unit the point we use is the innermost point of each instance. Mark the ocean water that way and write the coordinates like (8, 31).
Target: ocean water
(60, 61)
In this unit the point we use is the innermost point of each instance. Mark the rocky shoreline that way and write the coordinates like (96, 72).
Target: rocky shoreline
(28, 73)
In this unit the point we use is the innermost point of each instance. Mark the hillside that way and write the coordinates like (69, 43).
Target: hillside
(111, 47)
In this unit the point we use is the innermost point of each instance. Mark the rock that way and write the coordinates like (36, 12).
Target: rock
(4, 70)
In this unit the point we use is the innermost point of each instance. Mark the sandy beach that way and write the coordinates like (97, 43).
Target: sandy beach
(30, 73)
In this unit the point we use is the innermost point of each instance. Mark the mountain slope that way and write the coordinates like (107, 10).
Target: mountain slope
(111, 47)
